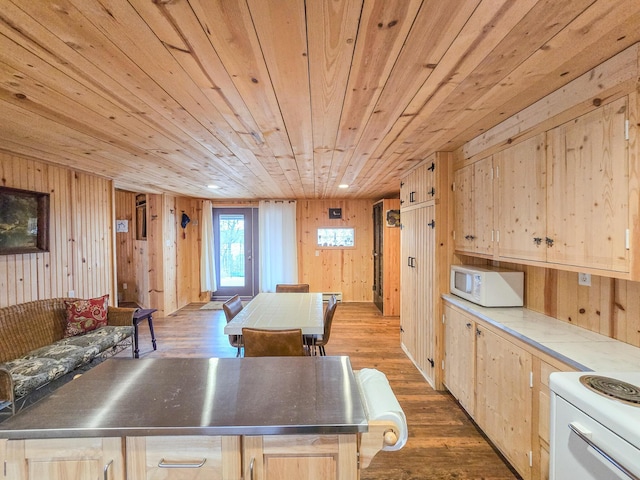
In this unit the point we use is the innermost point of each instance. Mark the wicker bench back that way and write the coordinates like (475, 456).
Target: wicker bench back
(30, 325)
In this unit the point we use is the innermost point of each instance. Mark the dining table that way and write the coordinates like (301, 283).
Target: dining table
(280, 311)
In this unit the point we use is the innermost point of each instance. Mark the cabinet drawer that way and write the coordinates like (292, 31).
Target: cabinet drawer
(195, 457)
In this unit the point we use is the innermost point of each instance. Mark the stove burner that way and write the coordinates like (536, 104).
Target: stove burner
(613, 388)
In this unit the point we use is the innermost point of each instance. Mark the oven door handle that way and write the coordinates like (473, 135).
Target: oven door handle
(580, 432)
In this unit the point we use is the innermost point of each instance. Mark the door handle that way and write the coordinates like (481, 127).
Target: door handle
(582, 434)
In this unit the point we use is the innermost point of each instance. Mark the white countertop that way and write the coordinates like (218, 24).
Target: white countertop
(576, 346)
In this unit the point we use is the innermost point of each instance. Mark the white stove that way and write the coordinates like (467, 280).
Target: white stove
(594, 435)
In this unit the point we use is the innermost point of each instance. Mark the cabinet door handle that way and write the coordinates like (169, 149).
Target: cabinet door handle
(468, 325)
(106, 469)
(163, 464)
(549, 242)
(537, 240)
(412, 197)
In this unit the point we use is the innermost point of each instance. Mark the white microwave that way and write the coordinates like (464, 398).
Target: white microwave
(488, 287)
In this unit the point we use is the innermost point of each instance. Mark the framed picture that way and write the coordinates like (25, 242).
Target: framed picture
(393, 218)
(24, 221)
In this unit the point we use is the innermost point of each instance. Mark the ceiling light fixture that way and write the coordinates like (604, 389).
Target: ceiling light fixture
(343, 185)
(212, 187)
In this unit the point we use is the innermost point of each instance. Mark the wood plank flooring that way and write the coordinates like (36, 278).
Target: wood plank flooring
(444, 444)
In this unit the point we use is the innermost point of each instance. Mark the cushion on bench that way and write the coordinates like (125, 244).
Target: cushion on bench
(47, 363)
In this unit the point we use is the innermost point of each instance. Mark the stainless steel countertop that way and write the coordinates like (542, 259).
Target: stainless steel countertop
(199, 396)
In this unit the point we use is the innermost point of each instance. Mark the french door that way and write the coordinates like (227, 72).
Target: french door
(236, 249)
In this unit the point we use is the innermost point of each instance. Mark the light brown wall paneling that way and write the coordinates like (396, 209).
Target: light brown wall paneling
(125, 259)
(609, 306)
(188, 252)
(348, 270)
(80, 229)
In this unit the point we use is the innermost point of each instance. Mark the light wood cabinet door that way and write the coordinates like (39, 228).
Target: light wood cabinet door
(588, 190)
(473, 208)
(459, 364)
(464, 207)
(418, 279)
(504, 397)
(63, 459)
(521, 200)
(184, 457)
(418, 186)
(303, 457)
(408, 280)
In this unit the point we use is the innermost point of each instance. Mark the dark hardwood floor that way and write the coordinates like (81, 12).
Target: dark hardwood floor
(443, 442)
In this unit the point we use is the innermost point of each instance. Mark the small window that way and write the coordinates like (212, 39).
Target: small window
(343, 237)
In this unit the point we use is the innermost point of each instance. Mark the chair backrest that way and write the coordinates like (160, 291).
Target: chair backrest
(272, 343)
(292, 288)
(232, 307)
(328, 317)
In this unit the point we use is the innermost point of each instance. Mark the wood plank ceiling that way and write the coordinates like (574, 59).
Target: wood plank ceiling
(282, 98)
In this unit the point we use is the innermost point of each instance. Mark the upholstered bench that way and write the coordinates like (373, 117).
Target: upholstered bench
(43, 340)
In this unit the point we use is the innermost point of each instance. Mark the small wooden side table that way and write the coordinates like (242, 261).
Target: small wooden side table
(140, 315)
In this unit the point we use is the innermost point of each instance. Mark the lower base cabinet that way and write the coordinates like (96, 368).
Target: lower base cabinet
(63, 459)
(503, 384)
(269, 457)
(311, 457)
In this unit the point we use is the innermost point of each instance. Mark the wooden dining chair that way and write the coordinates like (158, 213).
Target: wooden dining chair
(231, 308)
(318, 342)
(273, 343)
(292, 288)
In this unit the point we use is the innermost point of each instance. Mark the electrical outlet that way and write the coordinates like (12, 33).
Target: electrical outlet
(124, 286)
(584, 279)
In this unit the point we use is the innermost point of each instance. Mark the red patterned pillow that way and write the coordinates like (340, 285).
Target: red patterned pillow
(86, 315)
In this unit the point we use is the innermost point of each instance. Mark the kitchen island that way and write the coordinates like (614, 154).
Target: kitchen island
(252, 418)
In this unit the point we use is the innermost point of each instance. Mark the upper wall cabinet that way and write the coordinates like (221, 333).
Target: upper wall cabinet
(418, 186)
(561, 197)
(521, 200)
(473, 208)
(588, 190)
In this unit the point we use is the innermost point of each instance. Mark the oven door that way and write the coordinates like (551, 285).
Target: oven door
(583, 448)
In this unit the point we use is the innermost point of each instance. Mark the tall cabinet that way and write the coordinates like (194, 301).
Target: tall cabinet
(424, 262)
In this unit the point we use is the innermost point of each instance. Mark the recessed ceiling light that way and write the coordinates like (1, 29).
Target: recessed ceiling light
(212, 187)
(343, 185)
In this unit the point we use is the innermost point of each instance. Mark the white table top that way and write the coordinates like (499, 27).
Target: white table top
(280, 311)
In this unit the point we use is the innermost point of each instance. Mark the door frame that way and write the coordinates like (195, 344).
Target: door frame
(252, 258)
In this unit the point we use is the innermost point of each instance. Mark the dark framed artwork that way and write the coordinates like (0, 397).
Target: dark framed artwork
(24, 221)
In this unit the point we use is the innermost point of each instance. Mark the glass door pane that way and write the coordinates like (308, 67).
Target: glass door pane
(236, 251)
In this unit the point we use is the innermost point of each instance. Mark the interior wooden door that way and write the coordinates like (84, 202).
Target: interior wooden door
(588, 190)
(408, 288)
(521, 200)
(378, 256)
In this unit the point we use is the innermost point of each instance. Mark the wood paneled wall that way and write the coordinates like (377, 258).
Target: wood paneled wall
(80, 259)
(348, 270)
(164, 270)
(609, 306)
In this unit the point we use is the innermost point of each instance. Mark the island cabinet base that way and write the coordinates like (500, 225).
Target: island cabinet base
(178, 457)
(63, 459)
(311, 457)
